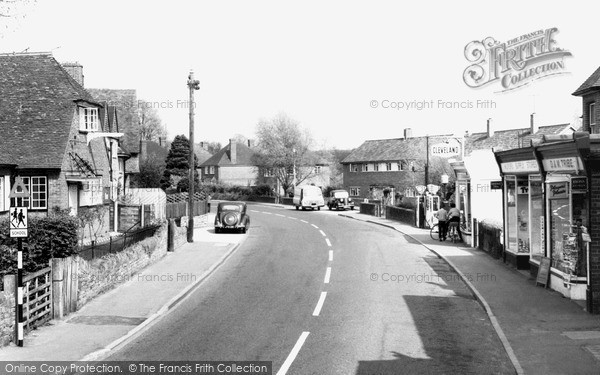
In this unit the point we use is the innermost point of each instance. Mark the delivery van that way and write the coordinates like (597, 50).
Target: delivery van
(308, 196)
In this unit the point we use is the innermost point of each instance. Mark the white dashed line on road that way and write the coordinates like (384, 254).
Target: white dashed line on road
(304, 221)
(280, 215)
(327, 275)
(254, 211)
(291, 217)
(331, 255)
(290, 358)
(267, 213)
(320, 304)
(323, 233)
(328, 242)
(316, 227)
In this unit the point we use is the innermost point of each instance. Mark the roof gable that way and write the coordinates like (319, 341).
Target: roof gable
(37, 105)
(392, 149)
(223, 156)
(125, 102)
(593, 82)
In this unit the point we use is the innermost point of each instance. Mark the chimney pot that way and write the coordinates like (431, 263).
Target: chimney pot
(490, 130)
(407, 133)
(533, 126)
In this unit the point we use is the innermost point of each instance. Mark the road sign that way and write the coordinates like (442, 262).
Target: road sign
(19, 190)
(18, 222)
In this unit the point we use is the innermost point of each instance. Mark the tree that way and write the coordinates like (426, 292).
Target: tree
(11, 11)
(151, 172)
(283, 148)
(177, 162)
(213, 147)
(151, 128)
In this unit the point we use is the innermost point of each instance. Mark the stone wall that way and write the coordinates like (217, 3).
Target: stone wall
(7, 317)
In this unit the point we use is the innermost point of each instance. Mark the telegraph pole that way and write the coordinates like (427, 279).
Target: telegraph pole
(192, 85)
(427, 163)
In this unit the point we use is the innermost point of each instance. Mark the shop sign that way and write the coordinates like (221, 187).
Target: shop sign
(579, 184)
(447, 149)
(558, 190)
(562, 164)
(496, 185)
(522, 166)
(543, 272)
(522, 188)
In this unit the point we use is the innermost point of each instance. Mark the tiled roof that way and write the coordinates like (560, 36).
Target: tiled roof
(392, 149)
(36, 109)
(223, 156)
(201, 154)
(509, 139)
(126, 103)
(593, 82)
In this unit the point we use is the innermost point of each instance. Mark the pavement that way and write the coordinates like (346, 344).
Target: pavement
(543, 332)
(118, 316)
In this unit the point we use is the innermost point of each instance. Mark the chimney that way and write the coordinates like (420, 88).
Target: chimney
(232, 151)
(407, 133)
(75, 70)
(250, 143)
(533, 126)
(490, 130)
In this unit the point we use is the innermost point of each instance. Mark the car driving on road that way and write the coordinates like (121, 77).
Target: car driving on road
(340, 199)
(232, 216)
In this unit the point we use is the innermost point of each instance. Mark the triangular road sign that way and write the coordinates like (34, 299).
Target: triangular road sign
(19, 190)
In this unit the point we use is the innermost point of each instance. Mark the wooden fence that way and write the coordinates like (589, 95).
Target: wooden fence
(179, 209)
(37, 298)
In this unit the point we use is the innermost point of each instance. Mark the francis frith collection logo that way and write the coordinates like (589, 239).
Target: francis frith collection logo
(514, 63)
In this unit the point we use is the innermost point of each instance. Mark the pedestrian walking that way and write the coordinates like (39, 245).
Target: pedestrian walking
(454, 217)
(442, 216)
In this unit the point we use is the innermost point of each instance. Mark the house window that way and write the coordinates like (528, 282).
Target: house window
(317, 169)
(355, 191)
(38, 193)
(388, 166)
(594, 128)
(269, 172)
(411, 165)
(354, 168)
(365, 167)
(211, 169)
(376, 167)
(89, 119)
(400, 166)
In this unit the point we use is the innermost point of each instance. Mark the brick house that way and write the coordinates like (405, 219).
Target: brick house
(397, 165)
(232, 164)
(55, 136)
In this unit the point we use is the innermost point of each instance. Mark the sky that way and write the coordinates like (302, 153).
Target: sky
(339, 68)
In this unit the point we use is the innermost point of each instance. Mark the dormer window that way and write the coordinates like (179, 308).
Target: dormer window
(89, 119)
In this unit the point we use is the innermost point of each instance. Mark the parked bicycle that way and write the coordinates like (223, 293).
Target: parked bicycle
(453, 231)
(435, 231)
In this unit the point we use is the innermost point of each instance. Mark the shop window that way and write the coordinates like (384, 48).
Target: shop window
(523, 216)
(536, 219)
(559, 210)
(511, 213)
(2, 203)
(355, 191)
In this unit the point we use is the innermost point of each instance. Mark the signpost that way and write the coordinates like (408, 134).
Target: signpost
(18, 230)
(543, 272)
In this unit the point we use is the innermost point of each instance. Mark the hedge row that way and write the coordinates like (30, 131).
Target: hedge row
(53, 236)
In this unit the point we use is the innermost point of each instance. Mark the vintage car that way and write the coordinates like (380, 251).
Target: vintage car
(308, 196)
(232, 215)
(340, 199)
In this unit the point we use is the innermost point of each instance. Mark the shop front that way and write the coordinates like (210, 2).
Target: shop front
(522, 201)
(567, 217)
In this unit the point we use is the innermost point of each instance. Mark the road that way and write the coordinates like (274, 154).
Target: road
(351, 297)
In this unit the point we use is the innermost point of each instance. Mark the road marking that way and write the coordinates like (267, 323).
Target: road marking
(320, 304)
(254, 211)
(315, 226)
(327, 275)
(266, 213)
(323, 233)
(331, 255)
(328, 242)
(295, 350)
(291, 217)
(280, 215)
(304, 221)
